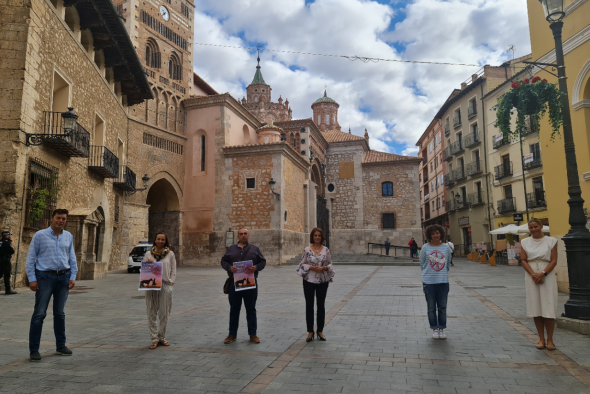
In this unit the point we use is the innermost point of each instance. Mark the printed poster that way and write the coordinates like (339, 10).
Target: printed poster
(498, 137)
(150, 276)
(244, 279)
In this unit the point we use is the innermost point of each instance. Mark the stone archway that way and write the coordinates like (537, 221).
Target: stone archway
(164, 213)
(317, 178)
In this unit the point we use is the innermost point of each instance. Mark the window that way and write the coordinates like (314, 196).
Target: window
(387, 189)
(184, 9)
(255, 99)
(319, 119)
(535, 149)
(162, 29)
(175, 67)
(327, 119)
(331, 187)
(153, 58)
(250, 183)
(303, 130)
(388, 220)
(116, 208)
(508, 192)
(302, 142)
(302, 153)
(42, 178)
(202, 153)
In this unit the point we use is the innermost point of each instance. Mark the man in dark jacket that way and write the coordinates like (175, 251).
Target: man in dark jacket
(6, 252)
(242, 251)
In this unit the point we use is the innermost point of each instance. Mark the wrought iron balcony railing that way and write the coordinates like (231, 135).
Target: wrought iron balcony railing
(459, 174)
(471, 112)
(503, 170)
(503, 142)
(447, 155)
(530, 127)
(427, 197)
(507, 205)
(471, 139)
(457, 121)
(70, 143)
(103, 162)
(447, 130)
(536, 199)
(536, 162)
(126, 180)
(424, 161)
(449, 179)
(457, 147)
(476, 198)
(449, 206)
(461, 203)
(474, 168)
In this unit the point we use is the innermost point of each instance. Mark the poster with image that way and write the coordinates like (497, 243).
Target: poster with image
(244, 279)
(150, 276)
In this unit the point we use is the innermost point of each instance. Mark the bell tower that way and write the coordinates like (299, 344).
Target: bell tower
(325, 113)
(258, 91)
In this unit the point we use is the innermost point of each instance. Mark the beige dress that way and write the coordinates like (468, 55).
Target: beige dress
(541, 299)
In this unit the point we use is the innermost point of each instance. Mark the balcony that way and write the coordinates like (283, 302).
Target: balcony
(503, 142)
(476, 198)
(474, 168)
(447, 156)
(457, 121)
(536, 199)
(471, 139)
(126, 180)
(103, 162)
(459, 174)
(426, 178)
(449, 179)
(503, 170)
(427, 197)
(506, 206)
(427, 216)
(449, 206)
(535, 163)
(530, 127)
(461, 203)
(70, 143)
(471, 112)
(447, 130)
(424, 161)
(457, 147)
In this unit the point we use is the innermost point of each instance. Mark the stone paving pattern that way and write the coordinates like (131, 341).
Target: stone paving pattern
(378, 338)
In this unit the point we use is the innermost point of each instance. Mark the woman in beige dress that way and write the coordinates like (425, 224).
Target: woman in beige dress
(539, 258)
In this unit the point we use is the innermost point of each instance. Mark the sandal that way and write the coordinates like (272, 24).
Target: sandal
(540, 346)
(154, 345)
(551, 347)
(164, 342)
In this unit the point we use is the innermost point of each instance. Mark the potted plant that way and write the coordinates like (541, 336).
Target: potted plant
(533, 99)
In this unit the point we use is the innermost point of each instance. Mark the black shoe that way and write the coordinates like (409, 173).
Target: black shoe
(310, 338)
(9, 292)
(64, 351)
(322, 338)
(35, 356)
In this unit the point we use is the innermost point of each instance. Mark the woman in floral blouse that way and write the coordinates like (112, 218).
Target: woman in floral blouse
(317, 273)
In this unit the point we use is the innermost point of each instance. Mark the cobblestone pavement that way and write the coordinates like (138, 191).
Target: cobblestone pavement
(378, 338)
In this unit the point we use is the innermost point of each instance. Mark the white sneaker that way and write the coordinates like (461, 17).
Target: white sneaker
(441, 334)
(435, 334)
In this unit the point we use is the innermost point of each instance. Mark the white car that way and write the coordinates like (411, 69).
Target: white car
(136, 256)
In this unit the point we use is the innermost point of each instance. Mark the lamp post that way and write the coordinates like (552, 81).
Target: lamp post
(69, 120)
(577, 240)
(146, 182)
(272, 184)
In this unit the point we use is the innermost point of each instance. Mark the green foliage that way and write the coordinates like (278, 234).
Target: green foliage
(530, 99)
(38, 204)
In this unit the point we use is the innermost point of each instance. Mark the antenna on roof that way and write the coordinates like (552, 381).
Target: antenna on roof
(258, 58)
(349, 130)
(512, 48)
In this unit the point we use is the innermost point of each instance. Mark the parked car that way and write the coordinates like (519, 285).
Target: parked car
(136, 256)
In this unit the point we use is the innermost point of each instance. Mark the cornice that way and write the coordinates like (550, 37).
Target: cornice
(569, 45)
(315, 131)
(571, 7)
(225, 100)
(156, 128)
(281, 147)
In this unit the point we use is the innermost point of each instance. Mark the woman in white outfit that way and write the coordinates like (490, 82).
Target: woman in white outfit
(159, 302)
(539, 258)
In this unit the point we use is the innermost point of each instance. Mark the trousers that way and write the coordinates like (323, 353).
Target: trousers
(320, 290)
(50, 284)
(235, 306)
(5, 269)
(159, 306)
(436, 300)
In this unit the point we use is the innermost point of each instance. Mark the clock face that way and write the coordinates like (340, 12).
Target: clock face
(165, 13)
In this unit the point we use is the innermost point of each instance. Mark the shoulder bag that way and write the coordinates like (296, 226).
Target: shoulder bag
(229, 280)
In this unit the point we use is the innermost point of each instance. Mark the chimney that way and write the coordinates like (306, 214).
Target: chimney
(474, 77)
(463, 85)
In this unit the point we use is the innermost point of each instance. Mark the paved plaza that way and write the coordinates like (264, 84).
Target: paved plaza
(378, 338)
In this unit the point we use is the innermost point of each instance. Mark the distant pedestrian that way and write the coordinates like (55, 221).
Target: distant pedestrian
(317, 273)
(452, 246)
(6, 252)
(51, 268)
(159, 302)
(539, 258)
(242, 251)
(413, 248)
(387, 245)
(434, 257)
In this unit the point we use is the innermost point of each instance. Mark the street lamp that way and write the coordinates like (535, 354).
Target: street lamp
(69, 120)
(457, 200)
(146, 182)
(577, 240)
(272, 184)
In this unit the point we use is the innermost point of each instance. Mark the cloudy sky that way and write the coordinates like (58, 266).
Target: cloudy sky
(394, 101)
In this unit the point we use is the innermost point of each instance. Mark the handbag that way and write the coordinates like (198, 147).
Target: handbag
(229, 280)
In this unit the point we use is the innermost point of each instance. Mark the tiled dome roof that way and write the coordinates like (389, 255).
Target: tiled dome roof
(325, 99)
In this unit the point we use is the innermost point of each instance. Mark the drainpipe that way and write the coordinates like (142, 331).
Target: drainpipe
(483, 113)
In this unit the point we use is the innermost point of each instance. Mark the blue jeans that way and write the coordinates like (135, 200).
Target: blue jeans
(50, 284)
(436, 298)
(235, 302)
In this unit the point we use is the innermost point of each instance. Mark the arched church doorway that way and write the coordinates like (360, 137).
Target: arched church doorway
(164, 213)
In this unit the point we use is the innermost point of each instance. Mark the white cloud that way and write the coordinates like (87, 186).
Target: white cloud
(394, 101)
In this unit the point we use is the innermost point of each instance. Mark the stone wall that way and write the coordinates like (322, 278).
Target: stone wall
(294, 196)
(344, 241)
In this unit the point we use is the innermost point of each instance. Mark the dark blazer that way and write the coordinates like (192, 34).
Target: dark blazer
(235, 254)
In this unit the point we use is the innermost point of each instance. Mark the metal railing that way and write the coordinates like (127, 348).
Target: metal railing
(503, 170)
(449, 206)
(449, 179)
(530, 127)
(71, 143)
(447, 155)
(127, 179)
(537, 162)
(457, 121)
(461, 203)
(471, 139)
(457, 147)
(391, 250)
(447, 130)
(476, 198)
(103, 162)
(424, 161)
(425, 178)
(471, 111)
(507, 205)
(458, 174)
(503, 142)
(474, 168)
(427, 216)
(536, 199)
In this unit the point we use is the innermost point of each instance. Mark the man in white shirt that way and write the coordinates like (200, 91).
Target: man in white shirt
(452, 251)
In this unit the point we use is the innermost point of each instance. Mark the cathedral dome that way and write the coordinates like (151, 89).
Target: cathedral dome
(325, 99)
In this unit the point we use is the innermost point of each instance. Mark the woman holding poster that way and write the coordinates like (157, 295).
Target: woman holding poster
(317, 273)
(159, 302)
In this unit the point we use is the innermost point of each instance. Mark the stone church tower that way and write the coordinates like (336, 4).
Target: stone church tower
(259, 101)
(325, 113)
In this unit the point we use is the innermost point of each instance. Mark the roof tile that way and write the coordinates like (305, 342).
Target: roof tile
(382, 157)
(340, 136)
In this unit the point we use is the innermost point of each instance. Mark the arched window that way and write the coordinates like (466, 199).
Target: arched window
(387, 189)
(153, 58)
(175, 67)
(255, 99)
(202, 153)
